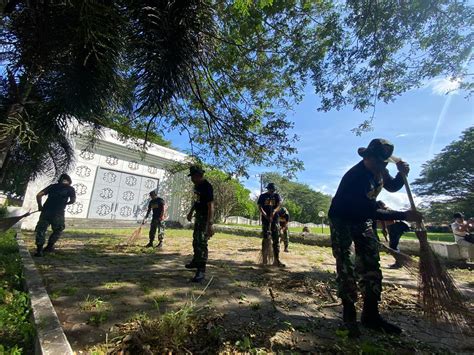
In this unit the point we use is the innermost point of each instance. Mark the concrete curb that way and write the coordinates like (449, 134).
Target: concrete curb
(50, 337)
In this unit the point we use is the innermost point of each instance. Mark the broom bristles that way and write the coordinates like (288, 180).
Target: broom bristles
(402, 259)
(8, 222)
(437, 291)
(266, 254)
(135, 235)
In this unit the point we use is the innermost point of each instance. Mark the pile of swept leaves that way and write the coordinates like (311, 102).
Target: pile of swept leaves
(186, 330)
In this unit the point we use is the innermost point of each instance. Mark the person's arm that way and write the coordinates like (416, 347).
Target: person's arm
(260, 207)
(72, 197)
(394, 184)
(210, 218)
(39, 197)
(275, 211)
(277, 207)
(162, 215)
(147, 212)
(190, 214)
(363, 207)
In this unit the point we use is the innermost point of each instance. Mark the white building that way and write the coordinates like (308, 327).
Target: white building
(113, 181)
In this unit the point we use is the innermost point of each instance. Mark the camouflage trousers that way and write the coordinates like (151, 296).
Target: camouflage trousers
(366, 270)
(155, 225)
(200, 242)
(56, 220)
(273, 231)
(285, 234)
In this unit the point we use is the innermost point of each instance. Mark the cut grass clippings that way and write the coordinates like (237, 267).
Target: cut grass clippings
(16, 330)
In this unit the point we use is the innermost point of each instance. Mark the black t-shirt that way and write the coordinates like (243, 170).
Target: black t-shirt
(203, 194)
(355, 199)
(157, 205)
(58, 197)
(269, 202)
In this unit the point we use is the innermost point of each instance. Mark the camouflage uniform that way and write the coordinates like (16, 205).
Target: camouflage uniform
(56, 220)
(200, 241)
(285, 236)
(367, 261)
(156, 224)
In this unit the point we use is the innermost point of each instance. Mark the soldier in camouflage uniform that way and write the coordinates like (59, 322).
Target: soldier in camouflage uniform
(52, 213)
(203, 207)
(156, 206)
(284, 219)
(352, 213)
(269, 204)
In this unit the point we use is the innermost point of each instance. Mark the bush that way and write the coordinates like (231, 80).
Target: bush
(3, 211)
(16, 330)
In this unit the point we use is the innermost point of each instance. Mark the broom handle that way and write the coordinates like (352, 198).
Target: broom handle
(419, 225)
(410, 195)
(395, 160)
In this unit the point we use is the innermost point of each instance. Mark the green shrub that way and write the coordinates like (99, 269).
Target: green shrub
(16, 330)
(3, 212)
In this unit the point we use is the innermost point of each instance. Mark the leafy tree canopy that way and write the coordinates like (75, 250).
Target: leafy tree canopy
(223, 72)
(230, 196)
(448, 178)
(302, 201)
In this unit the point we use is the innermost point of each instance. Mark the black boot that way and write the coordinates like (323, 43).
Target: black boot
(349, 316)
(191, 265)
(49, 248)
(371, 319)
(149, 245)
(160, 244)
(200, 275)
(286, 249)
(39, 251)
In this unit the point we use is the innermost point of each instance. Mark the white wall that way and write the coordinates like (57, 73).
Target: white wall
(111, 154)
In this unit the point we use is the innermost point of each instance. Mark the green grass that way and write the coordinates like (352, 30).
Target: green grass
(93, 304)
(315, 230)
(16, 330)
(439, 237)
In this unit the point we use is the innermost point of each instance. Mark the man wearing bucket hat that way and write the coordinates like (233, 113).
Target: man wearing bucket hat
(352, 213)
(52, 212)
(203, 210)
(269, 204)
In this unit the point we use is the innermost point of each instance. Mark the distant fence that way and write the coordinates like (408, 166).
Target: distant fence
(251, 222)
(241, 220)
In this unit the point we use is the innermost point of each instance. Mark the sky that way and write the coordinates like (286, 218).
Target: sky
(420, 123)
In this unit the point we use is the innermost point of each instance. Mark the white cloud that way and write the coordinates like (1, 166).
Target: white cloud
(443, 86)
(325, 189)
(398, 200)
(401, 135)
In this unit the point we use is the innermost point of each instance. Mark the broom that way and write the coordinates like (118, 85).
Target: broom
(266, 254)
(135, 235)
(439, 296)
(402, 259)
(8, 222)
